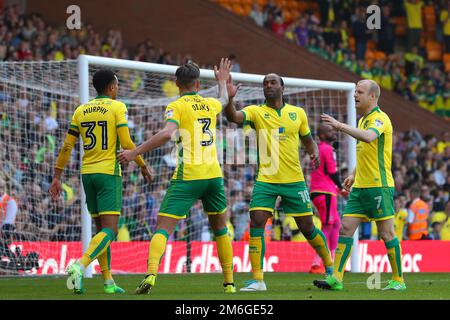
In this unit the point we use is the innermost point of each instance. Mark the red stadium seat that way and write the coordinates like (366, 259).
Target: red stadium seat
(369, 54)
(379, 55)
(351, 43)
(446, 61)
(302, 6)
(434, 51)
(238, 9)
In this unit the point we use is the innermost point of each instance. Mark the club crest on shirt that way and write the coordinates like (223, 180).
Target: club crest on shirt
(169, 113)
(293, 116)
(366, 123)
(378, 123)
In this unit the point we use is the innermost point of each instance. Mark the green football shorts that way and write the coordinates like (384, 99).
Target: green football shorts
(181, 196)
(370, 203)
(103, 193)
(294, 198)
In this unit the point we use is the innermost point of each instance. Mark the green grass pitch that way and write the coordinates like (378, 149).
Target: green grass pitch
(281, 286)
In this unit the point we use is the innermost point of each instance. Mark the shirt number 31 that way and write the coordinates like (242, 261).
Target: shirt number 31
(90, 125)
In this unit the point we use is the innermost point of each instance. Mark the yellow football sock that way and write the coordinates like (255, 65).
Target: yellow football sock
(257, 248)
(319, 243)
(394, 250)
(156, 250)
(99, 243)
(225, 253)
(343, 250)
(104, 260)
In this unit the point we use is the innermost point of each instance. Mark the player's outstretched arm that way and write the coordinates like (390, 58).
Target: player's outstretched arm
(159, 139)
(362, 135)
(127, 144)
(61, 162)
(222, 74)
(312, 149)
(230, 111)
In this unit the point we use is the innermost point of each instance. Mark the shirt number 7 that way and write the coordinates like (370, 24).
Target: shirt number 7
(378, 199)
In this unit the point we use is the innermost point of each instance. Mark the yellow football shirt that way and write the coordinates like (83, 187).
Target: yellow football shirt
(97, 122)
(414, 14)
(196, 119)
(446, 26)
(277, 134)
(399, 223)
(445, 232)
(374, 159)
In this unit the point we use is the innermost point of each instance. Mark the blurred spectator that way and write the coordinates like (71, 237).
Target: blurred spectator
(360, 32)
(435, 233)
(8, 207)
(272, 12)
(240, 217)
(414, 21)
(235, 66)
(386, 35)
(445, 231)
(50, 122)
(444, 18)
(401, 215)
(417, 216)
(257, 15)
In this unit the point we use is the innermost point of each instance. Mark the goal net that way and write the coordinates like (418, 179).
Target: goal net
(37, 100)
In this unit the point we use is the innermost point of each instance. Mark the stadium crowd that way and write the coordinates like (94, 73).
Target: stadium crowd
(397, 63)
(31, 124)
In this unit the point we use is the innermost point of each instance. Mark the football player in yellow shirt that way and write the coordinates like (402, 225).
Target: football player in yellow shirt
(279, 129)
(372, 195)
(198, 174)
(100, 122)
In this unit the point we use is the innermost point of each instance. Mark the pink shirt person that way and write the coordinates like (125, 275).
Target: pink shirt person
(321, 181)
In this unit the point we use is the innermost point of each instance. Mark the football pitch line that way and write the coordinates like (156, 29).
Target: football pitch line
(364, 282)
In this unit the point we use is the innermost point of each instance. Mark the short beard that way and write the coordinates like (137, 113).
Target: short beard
(273, 96)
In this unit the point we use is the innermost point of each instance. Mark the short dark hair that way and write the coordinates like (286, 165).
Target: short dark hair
(102, 79)
(187, 74)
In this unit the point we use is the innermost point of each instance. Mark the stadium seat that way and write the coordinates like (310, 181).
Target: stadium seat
(281, 3)
(292, 5)
(369, 54)
(446, 61)
(287, 16)
(379, 55)
(247, 10)
(351, 43)
(400, 26)
(371, 45)
(302, 6)
(295, 14)
(238, 9)
(262, 3)
(429, 18)
(227, 6)
(429, 14)
(434, 51)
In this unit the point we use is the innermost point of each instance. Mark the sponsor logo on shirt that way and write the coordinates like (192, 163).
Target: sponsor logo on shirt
(378, 123)
(169, 114)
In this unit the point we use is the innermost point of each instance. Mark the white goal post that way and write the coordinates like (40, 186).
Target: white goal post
(86, 61)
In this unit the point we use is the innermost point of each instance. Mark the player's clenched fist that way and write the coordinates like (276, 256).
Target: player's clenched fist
(348, 182)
